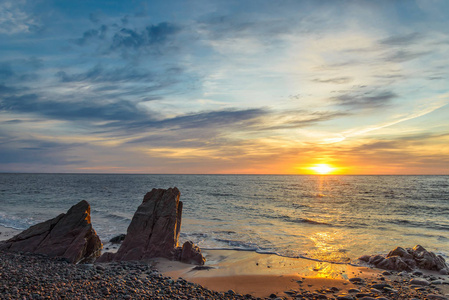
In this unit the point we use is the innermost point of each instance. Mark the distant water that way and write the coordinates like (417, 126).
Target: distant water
(330, 218)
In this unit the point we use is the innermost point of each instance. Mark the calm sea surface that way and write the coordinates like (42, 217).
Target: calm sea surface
(331, 218)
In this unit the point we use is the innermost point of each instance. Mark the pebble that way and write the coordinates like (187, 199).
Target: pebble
(356, 280)
(436, 297)
(419, 281)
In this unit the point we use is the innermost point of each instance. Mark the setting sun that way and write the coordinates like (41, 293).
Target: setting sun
(322, 169)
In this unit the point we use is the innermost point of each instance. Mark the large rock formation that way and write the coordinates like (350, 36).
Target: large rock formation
(68, 235)
(154, 231)
(401, 259)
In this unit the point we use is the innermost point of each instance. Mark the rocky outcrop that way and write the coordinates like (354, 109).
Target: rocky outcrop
(401, 259)
(68, 235)
(190, 254)
(154, 231)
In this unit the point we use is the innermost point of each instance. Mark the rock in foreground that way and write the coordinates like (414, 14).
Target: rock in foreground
(401, 259)
(154, 231)
(68, 235)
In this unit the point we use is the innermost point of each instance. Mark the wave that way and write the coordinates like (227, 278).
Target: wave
(15, 222)
(417, 224)
(117, 217)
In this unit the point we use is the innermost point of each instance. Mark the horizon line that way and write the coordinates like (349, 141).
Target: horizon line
(223, 174)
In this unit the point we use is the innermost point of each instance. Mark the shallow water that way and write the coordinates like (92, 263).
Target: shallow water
(330, 218)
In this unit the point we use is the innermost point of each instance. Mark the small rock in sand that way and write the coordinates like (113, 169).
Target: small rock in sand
(419, 281)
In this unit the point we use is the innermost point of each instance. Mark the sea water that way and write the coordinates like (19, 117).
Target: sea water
(328, 218)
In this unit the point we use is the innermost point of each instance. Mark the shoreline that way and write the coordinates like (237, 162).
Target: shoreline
(227, 274)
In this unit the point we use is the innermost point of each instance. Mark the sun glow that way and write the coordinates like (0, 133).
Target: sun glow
(322, 169)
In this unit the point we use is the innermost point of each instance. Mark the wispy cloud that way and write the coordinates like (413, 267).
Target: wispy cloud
(15, 19)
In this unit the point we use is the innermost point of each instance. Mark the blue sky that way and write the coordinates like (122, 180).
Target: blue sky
(224, 86)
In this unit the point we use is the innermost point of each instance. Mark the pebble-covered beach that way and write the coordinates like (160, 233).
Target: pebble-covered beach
(31, 276)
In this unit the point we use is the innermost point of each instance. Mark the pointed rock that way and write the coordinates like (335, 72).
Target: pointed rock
(154, 229)
(68, 235)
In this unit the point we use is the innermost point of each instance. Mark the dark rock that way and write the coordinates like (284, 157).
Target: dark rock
(401, 259)
(376, 259)
(419, 281)
(394, 263)
(381, 286)
(191, 254)
(68, 236)
(364, 258)
(428, 260)
(356, 280)
(401, 252)
(344, 297)
(118, 239)
(436, 297)
(154, 228)
(154, 231)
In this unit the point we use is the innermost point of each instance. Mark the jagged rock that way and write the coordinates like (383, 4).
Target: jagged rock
(117, 239)
(428, 260)
(393, 263)
(191, 254)
(68, 235)
(401, 259)
(401, 252)
(154, 230)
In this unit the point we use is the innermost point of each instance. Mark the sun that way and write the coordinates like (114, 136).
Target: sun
(322, 169)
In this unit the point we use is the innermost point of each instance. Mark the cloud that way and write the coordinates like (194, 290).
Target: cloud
(114, 75)
(15, 19)
(93, 34)
(403, 56)
(152, 35)
(296, 119)
(38, 151)
(402, 40)
(370, 99)
(336, 80)
(83, 110)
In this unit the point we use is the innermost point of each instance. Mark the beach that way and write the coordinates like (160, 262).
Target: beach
(227, 274)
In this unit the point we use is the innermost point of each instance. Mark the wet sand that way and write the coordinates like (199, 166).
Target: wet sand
(265, 275)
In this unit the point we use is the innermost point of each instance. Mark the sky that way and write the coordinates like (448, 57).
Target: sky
(224, 87)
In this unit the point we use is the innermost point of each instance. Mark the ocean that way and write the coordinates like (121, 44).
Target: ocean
(327, 218)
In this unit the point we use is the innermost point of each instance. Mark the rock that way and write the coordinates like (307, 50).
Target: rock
(356, 280)
(381, 286)
(444, 271)
(154, 231)
(428, 260)
(376, 259)
(401, 252)
(154, 228)
(400, 259)
(191, 254)
(393, 263)
(344, 297)
(419, 281)
(364, 258)
(69, 236)
(437, 281)
(436, 297)
(118, 239)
